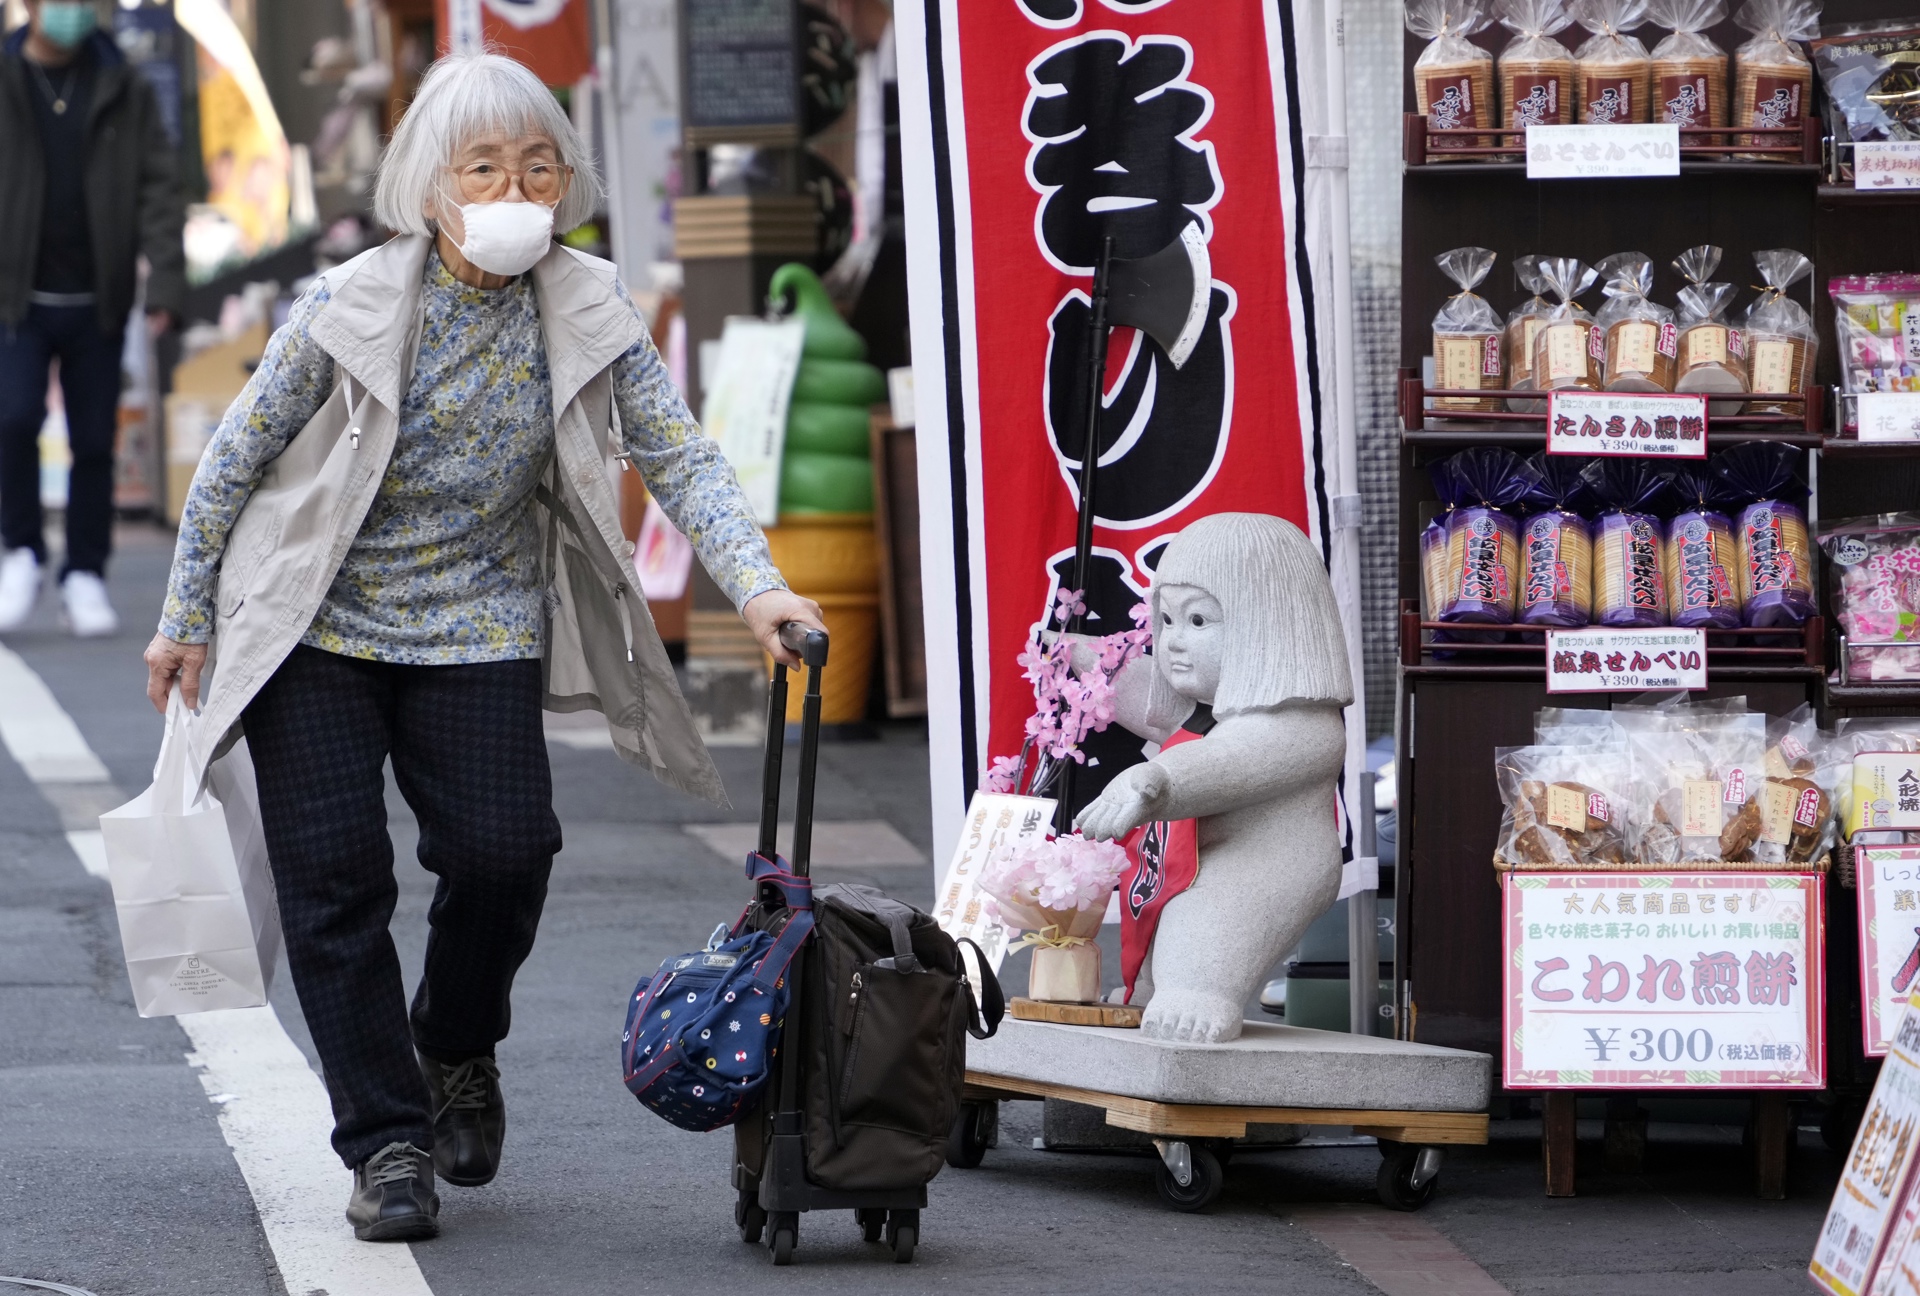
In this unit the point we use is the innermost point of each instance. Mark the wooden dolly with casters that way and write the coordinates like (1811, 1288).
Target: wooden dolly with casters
(1192, 1137)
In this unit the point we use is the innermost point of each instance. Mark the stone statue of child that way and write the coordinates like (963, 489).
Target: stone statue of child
(1243, 692)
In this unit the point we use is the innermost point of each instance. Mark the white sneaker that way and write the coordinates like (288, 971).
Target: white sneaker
(19, 588)
(89, 615)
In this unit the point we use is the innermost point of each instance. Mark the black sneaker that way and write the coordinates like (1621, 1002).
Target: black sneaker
(393, 1198)
(469, 1119)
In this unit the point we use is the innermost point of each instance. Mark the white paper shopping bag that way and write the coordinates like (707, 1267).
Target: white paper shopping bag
(198, 922)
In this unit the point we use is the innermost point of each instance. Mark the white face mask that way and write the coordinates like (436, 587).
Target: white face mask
(506, 238)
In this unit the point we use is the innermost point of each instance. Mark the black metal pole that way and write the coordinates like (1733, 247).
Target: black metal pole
(1089, 467)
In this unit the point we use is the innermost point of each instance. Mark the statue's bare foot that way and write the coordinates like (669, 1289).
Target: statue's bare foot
(1191, 1017)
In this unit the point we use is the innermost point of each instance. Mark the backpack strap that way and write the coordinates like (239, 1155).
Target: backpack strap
(767, 973)
(795, 892)
(987, 1007)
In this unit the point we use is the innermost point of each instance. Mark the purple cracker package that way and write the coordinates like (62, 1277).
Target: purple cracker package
(1556, 545)
(1483, 485)
(1775, 566)
(1629, 543)
(1702, 564)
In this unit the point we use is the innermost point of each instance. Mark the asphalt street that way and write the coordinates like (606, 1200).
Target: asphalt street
(116, 1177)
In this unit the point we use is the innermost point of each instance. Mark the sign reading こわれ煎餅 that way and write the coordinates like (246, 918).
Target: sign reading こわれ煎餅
(1684, 980)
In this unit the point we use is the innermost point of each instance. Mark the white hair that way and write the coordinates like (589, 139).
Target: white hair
(1284, 641)
(462, 97)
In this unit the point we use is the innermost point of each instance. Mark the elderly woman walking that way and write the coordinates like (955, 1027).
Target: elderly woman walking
(403, 543)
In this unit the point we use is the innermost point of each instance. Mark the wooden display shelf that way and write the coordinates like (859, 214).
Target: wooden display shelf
(1520, 427)
(1712, 150)
(1770, 1137)
(1726, 649)
(1205, 1120)
(1113, 1016)
(1848, 194)
(1899, 695)
(1853, 447)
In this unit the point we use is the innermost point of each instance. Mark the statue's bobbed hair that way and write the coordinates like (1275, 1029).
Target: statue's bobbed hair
(1283, 636)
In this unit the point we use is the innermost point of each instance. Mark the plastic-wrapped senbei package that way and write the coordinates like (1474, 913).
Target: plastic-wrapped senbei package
(1567, 350)
(1556, 545)
(1523, 321)
(1713, 354)
(1689, 70)
(1629, 543)
(1804, 771)
(1702, 585)
(1876, 593)
(1696, 775)
(1562, 804)
(1780, 336)
(1536, 71)
(1640, 337)
(1772, 79)
(1466, 333)
(1453, 77)
(1612, 68)
(1483, 485)
(1770, 531)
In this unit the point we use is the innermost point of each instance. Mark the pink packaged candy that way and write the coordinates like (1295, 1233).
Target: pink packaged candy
(1876, 594)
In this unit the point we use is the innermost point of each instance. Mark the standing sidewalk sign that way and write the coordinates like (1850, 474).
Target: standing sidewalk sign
(1672, 980)
(746, 406)
(1629, 423)
(1614, 661)
(1872, 1205)
(1889, 937)
(994, 819)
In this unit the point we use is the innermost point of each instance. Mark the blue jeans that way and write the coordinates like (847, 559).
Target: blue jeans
(90, 384)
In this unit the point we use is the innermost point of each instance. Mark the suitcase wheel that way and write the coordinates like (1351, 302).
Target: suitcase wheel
(783, 1232)
(975, 1129)
(749, 1216)
(872, 1222)
(903, 1234)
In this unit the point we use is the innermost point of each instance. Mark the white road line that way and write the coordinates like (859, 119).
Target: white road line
(37, 733)
(276, 1119)
(91, 846)
(273, 1109)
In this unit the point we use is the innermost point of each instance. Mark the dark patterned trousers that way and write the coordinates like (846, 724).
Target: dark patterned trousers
(470, 757)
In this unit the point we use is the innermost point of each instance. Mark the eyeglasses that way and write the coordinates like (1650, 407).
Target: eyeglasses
(543, 182)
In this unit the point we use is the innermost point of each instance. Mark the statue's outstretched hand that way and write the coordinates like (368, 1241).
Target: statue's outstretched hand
(1133, 798)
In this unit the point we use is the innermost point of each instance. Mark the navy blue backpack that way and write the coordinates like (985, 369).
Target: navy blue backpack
(703, 1031)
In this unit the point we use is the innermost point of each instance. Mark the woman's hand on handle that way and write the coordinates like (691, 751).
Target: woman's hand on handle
(765, 613)
(166, 660)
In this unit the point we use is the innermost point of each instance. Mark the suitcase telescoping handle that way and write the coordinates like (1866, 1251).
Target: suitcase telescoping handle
(812, 647)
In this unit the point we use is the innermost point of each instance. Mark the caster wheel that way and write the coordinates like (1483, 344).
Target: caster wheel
(783, 1234)
(749, 1216)
(1396, 1182)
(872, 1223)
(974, 1131)
(1206, 1178)
(903, 1234)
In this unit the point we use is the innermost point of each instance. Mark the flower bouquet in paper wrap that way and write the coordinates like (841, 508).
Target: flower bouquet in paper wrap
(1056, 892)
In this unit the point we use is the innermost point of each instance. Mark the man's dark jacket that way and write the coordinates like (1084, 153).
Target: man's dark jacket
(132, 186)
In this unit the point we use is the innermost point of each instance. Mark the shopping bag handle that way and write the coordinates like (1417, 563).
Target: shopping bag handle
(170, 766)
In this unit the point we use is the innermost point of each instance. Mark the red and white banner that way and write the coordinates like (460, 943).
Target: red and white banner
(550, 36)
(1045, 125)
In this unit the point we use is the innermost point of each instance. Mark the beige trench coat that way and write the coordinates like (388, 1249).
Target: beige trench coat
(603, 653)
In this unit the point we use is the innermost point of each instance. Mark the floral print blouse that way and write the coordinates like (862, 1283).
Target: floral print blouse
(446, 567)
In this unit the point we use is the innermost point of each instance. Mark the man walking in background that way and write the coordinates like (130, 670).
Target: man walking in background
(87, 186)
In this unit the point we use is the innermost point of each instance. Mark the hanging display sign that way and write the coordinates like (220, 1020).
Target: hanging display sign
(1872, 1205)
(1072, 125)
(994, 819)
(1603, 149)
(1629, 423)
(1629, 661)
(1674, 980)
(1889, 881)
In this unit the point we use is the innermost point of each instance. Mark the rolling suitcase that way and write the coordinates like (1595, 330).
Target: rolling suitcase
(865, 1088)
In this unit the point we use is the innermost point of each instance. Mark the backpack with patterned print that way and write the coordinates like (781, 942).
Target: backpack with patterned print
(703, 1031)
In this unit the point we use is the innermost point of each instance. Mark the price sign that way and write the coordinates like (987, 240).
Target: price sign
(1886, 164)
(1889, 938)
(1627, 423)
(1870, 1221)
(1889, 416)
(1886, 791)
(1578, 152)
(1611, 661)
(993, 819)
(1681, 980)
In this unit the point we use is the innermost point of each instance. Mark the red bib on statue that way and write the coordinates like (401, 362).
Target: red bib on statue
(1164, 860)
